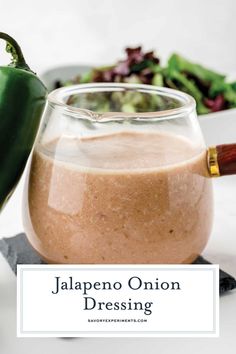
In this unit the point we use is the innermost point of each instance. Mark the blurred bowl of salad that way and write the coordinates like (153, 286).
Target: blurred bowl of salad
(214, 93)
(210, 89)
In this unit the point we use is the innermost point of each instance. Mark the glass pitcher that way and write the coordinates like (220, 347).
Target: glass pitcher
(120, 174)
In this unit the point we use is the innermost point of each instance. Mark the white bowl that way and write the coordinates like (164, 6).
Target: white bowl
(220, 127)
(62, 73)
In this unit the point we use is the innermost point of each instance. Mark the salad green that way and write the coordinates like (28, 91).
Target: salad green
(210, 89)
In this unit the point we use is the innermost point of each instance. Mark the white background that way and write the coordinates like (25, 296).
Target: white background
(57, 32)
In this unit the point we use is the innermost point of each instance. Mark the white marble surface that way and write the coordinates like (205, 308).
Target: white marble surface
(61, 32)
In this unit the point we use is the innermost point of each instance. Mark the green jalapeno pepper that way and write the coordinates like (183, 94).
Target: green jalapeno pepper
(22, 101)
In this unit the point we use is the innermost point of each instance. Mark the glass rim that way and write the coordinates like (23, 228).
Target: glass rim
(57, 100)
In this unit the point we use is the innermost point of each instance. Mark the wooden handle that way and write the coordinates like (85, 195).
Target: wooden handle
(226, 156)
(222, 160)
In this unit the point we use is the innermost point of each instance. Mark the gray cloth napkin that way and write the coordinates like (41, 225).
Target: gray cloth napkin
(17, 250)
